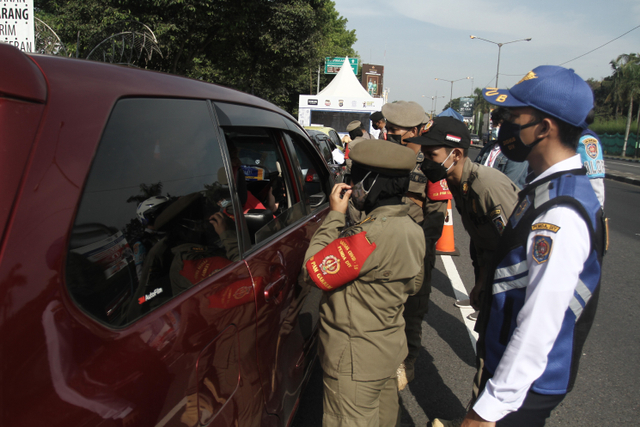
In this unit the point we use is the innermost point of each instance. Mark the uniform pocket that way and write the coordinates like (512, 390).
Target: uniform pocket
(382, 275)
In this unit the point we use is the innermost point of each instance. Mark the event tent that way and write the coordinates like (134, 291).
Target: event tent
(342, 101)
(450, 112)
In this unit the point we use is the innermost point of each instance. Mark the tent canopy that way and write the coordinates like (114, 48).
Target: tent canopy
(345, 84)
(450, 112)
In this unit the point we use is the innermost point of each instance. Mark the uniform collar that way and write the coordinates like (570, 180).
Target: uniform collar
(465, 180)
(390, 210)
(571, 163)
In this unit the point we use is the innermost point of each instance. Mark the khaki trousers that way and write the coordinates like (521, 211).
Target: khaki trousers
(360, 403)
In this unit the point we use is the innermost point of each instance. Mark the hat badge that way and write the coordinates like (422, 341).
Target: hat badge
(530, 76)
(427, 127)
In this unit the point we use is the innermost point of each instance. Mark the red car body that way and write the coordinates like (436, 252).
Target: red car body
(233, 347)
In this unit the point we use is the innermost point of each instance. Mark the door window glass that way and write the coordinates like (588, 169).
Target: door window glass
(316, 183)
(263, 180)
(148, 221)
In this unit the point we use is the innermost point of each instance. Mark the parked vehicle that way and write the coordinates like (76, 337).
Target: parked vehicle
(333, 135)
(152, 231)
(475, 140)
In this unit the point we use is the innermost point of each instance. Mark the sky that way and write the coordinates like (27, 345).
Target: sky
(418, 41)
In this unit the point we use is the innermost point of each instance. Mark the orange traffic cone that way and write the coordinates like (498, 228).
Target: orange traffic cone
(446, 244)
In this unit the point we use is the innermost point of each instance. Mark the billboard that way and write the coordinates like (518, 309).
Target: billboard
(333, 65)
(372, 79)
(466, 107)
(17, 24)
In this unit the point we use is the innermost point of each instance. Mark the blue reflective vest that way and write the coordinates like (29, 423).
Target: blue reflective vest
(591, 154)
(509, 279)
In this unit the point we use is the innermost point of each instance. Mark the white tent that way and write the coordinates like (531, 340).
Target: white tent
(341, 102)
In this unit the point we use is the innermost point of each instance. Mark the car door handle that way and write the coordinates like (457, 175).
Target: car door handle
(272, 290)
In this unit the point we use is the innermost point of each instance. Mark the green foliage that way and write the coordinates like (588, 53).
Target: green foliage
(454, 103)
(263, 47)
(610, 126)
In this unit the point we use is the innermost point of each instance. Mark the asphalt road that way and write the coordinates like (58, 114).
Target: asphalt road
(606, 391)
(622, 166)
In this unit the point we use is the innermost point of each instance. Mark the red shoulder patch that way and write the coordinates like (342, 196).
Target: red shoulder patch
(340, 261)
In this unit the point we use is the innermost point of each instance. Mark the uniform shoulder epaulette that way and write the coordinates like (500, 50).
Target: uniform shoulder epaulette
(348, 231)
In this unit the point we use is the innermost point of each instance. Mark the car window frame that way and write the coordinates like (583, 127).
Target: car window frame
(188, 293)
(282, 126)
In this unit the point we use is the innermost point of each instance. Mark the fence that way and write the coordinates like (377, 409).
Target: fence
(612, 144)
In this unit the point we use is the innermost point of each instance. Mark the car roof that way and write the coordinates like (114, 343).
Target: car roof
(315, 132)
(109, 79)
(322, 129)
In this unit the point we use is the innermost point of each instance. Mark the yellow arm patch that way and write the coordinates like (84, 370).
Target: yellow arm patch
(545, 226)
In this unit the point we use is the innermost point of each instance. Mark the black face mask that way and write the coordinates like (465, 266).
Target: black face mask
(434, 171)
(395, 138)
(511, 144)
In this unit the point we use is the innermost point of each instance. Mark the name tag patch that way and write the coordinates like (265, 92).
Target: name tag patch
(545, 226)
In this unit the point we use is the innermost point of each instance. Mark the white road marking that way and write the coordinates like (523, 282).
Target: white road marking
(460, 293)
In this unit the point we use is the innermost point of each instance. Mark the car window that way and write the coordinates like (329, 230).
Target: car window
(335, 138)
(313, 173)
(144, 232)
(323, 144)
(263, 181)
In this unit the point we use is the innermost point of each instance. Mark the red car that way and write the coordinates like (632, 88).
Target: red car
(152, 231)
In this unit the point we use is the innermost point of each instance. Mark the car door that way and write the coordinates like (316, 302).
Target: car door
(274, 246)
(166, 326)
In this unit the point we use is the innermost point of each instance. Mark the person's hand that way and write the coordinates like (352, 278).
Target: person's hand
(474, 296)
(218, 221)
(474, 420)
(336, 201)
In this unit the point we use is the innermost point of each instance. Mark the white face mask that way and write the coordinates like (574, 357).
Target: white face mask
(445, 160)
(359, 194)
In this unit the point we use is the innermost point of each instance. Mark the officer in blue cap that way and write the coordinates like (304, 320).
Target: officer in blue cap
(541, 294)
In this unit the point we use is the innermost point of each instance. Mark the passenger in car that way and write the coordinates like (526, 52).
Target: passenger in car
(367, 271)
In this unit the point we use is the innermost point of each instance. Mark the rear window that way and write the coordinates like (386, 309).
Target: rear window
(142, 233)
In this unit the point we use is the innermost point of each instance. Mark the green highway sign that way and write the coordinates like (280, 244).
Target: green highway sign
(333, 65)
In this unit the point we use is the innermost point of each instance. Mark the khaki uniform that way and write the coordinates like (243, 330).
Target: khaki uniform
(485, 199)
(362, 339)
(351, 145)
(416, 195)
(417, 305)
(430, 215)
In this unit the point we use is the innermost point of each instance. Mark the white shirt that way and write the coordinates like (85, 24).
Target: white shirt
(493, 155)
(548, 294)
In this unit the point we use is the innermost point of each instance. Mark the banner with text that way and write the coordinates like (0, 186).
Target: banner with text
(466, 107)
(17, 24)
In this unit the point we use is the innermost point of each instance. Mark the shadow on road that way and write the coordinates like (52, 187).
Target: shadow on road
(448, 326)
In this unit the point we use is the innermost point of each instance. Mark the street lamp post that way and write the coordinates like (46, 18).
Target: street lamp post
(499, 49)
(434, 103)
(452, 82)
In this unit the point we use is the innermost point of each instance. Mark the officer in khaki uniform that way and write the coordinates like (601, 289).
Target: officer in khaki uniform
(484, 197)
(367, 271)
(405, 121)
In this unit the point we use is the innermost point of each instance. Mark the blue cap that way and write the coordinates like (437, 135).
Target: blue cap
(554, 90)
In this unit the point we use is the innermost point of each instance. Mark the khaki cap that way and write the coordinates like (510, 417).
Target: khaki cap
(404, 114)
(383, 156)
(354, 125)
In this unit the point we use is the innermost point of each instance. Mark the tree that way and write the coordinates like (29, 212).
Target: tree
(626, 77)
(480, 108)
(454, 103)
(264, 47)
